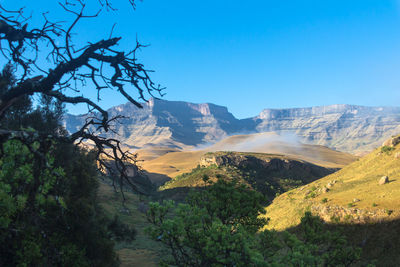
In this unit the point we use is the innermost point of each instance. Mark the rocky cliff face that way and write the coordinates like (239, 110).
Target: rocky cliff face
(184, 125)
(268, 165)
(343, 127)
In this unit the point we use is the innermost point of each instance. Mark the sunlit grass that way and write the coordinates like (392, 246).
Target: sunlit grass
(357, 180)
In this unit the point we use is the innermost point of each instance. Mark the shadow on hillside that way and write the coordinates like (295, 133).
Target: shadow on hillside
(177, 194)
(157, 179)
(380, 241)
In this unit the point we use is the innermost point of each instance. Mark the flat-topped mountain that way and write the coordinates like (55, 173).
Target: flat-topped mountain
(175, 124)
(183, 125)
(343, 127)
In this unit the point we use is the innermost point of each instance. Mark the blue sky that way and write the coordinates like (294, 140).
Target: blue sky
(250, 55)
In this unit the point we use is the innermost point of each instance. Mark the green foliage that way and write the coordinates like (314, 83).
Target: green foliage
(330, 246)
(232, 203)
(324, 200)
(387, 149)
(216, 228)
(49, 216)
(388, 212)
(120, 231)
(219, 226)
(48, 213)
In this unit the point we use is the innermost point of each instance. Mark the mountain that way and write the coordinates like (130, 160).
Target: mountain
(183, 125)
(347, 128)
(174, 124)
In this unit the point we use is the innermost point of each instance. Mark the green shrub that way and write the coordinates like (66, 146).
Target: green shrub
(387, 149)
(348, 218)
(120, 231)
(388, 212)
(220, 227)
(50, 216)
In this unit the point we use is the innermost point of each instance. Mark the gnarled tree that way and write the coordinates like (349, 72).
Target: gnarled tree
(69, 71)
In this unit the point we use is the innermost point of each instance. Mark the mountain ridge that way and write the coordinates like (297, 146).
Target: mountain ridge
(185, 125)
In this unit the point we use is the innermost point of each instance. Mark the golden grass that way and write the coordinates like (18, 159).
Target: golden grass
(357, 180)
(151, 153)
(275, 144)
(175, 163)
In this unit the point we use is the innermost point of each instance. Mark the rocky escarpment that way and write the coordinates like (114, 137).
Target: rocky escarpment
(269, 174)
(347, 128)
(174, 124)
(266, 166)
(337, 214)
(181, 124)
(261, 161)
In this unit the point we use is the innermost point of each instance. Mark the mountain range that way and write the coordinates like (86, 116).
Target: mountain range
(183, 125)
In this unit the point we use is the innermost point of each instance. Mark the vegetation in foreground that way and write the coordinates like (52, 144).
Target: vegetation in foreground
(221, 226)
(49, 212)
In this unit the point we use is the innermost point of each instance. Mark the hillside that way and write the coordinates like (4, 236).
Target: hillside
(182, 125)
(270, 174)
(349, 195)
(142, 251)
(178, 162)
(284, 144)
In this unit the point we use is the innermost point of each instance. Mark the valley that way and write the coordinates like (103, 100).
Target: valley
(343, 190)
(199, 134)
(296, 170)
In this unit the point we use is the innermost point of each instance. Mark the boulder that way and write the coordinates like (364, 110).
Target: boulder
(392, 141)
(325, 190)
(383, 180)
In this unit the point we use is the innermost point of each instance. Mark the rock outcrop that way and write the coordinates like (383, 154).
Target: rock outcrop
(267, 164)
(392, 142)
(337, 213)
(383, 180)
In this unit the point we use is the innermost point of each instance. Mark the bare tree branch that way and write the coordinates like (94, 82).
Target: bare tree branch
(69, 70)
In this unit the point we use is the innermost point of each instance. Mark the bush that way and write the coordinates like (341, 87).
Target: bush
(49, 216)
(387, 149)
(120, 231)
(220, 226)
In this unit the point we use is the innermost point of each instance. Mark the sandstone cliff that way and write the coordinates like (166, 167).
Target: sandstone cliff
(183, 125)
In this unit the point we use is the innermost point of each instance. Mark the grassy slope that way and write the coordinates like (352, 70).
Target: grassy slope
(249, 169)
(176, 163)
(193, 178)
(275, 144)
(151, 153)
(358, 180)
(142, 251)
